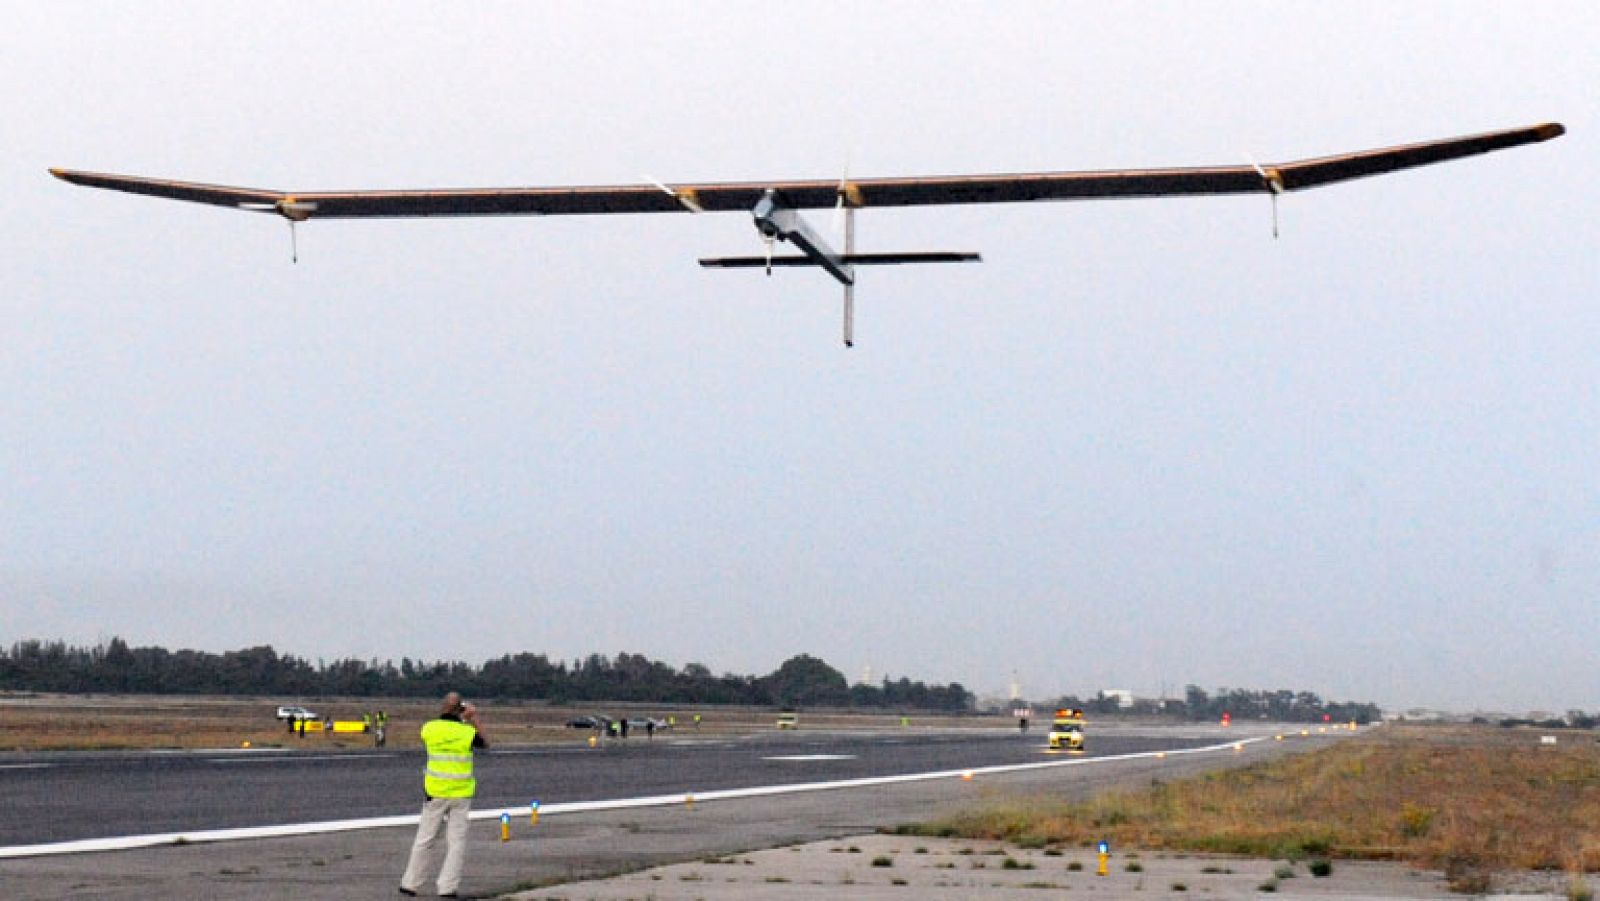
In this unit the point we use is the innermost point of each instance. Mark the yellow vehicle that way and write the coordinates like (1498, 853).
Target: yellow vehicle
(1066, 730)
(788, 719)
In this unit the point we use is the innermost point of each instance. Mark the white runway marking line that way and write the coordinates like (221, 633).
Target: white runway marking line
(26, 766)
(297, 758)
(127, 842)
(812, 757)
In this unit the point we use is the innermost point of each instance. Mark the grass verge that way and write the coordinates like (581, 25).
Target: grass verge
(1469, 801)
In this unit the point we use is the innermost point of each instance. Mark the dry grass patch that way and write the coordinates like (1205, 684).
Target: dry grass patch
(1467, 800)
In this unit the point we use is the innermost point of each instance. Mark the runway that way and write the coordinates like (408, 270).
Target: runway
(65, 797)
(575, 845)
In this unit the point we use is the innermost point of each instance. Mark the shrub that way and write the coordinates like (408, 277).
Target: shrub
(1467, 876)
(1321, 868)
(882, 861)
(1075, 866)
(1134, 867)
(1415, 821)
(1310, 846)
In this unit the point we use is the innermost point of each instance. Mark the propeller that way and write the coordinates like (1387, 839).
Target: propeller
(843, 192)
(1274, 184)
(845, 200)
(287, 207)
(684, 197)
(290, 209)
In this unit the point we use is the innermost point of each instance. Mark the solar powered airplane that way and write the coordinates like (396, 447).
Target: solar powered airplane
(776, 205)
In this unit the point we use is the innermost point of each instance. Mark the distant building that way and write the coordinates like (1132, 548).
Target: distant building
(1425, 714)
(1122, 696)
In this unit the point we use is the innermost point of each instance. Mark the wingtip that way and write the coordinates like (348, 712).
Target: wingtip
(58, 173)
(1551, 130)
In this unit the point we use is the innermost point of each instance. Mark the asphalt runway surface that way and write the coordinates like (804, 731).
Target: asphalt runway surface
(61, 797)
(97, 795)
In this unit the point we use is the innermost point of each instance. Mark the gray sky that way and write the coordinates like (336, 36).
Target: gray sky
(1141, 444)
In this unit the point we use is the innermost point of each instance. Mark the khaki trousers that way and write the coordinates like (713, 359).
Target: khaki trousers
(448, 815)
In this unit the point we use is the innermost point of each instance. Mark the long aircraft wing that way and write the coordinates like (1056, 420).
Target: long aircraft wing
(856, 192)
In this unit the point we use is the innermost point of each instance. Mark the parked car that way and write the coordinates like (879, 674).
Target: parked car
(290, 713)
(592, 721)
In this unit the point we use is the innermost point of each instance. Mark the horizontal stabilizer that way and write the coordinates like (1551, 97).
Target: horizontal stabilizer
(853, 259)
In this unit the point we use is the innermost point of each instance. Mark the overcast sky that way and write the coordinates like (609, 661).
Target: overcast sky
(1142, 444)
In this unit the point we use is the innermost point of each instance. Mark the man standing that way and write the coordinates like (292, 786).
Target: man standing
(449, 786)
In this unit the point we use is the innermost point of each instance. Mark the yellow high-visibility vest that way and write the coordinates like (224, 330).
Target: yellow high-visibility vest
(449, 770)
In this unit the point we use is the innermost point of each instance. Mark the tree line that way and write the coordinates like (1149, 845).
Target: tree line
(1575, 719)
(114, 667)
(1197, 704)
